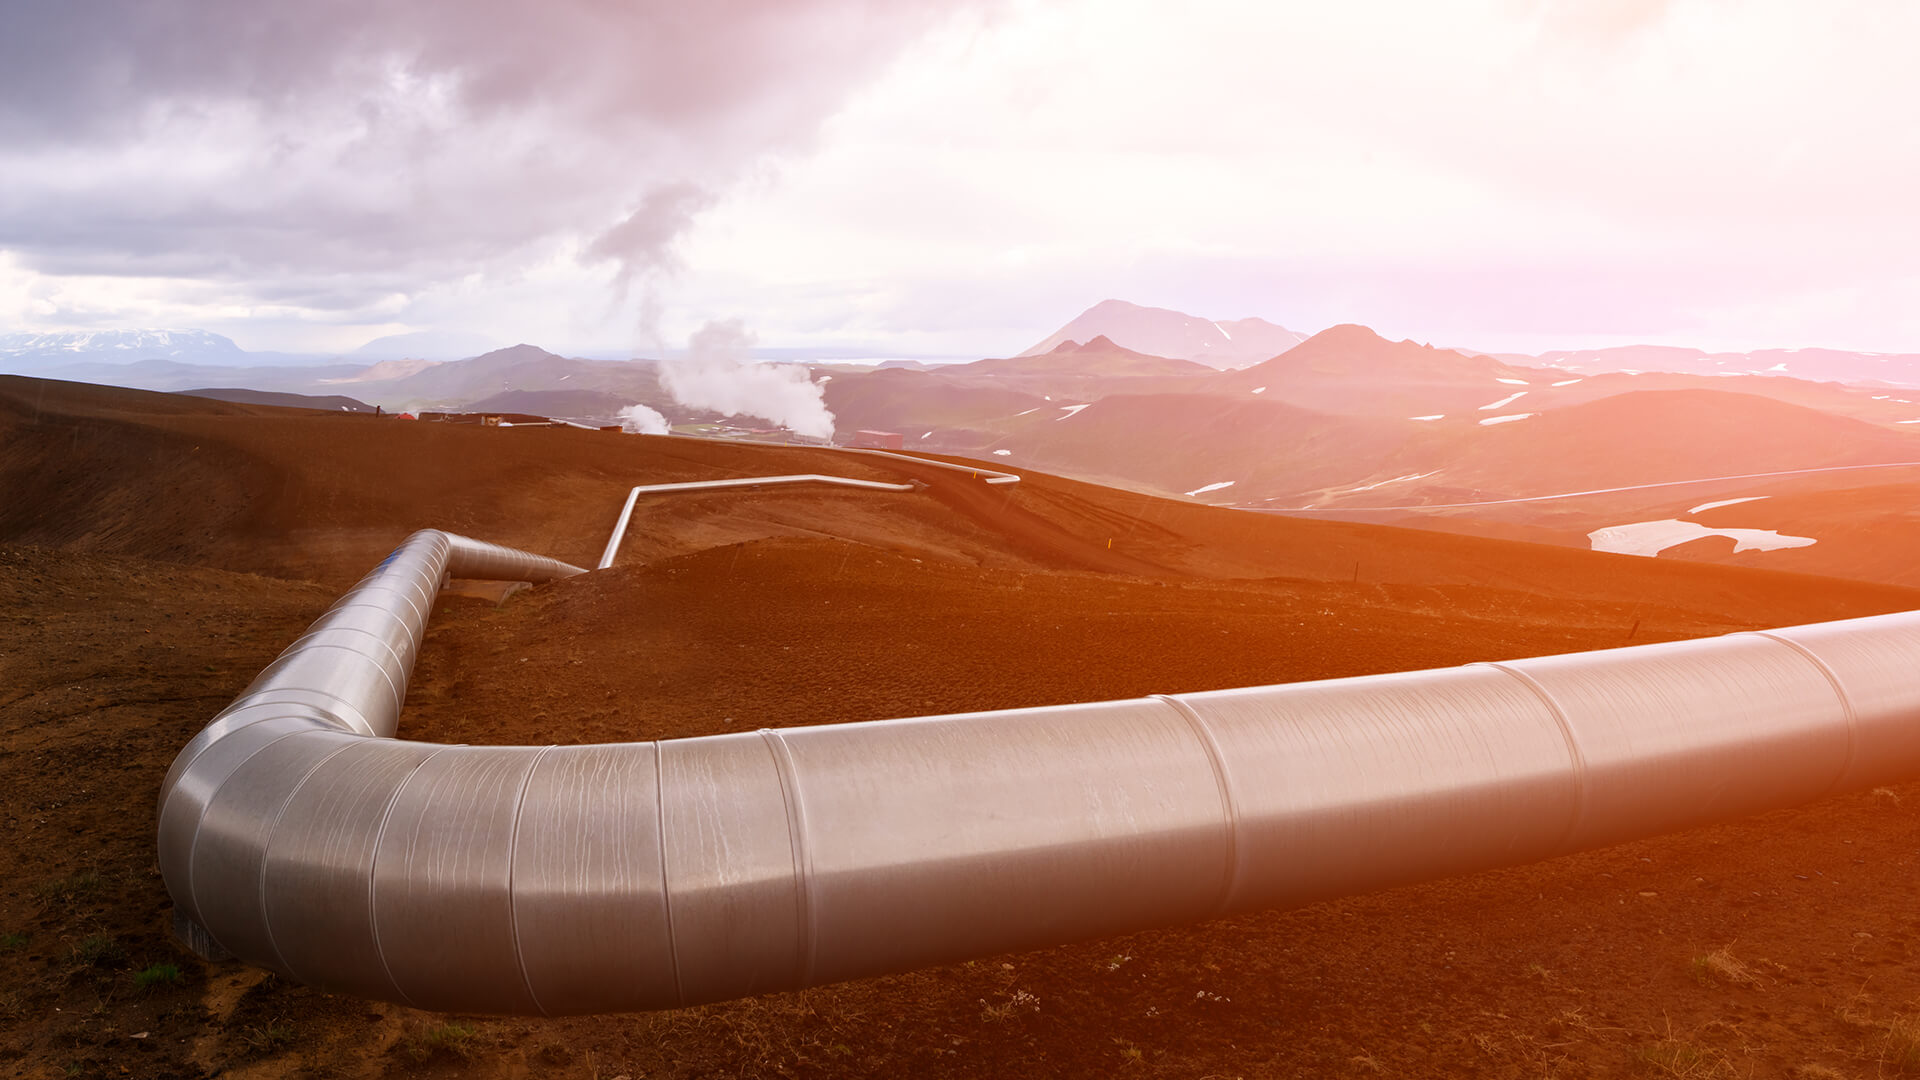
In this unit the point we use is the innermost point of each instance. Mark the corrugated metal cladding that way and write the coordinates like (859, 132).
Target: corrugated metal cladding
(584, 879)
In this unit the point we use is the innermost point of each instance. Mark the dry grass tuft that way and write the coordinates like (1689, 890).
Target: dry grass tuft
(1902, 1049)
(1682, 1060)
(1721, 967)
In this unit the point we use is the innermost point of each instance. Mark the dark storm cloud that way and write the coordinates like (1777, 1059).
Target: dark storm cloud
(239, 139)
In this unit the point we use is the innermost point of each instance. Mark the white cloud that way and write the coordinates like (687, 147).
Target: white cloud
(1504, 170)
(1499, 173)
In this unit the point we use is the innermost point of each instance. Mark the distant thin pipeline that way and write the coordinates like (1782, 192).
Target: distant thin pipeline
(1573, 494)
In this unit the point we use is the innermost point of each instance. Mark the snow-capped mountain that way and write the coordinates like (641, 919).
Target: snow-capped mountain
(29, 352)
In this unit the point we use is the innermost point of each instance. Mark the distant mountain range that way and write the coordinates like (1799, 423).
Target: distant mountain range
(24, 353)
(426, 345)
(1099, 356)
(1121, 331)
(1344, 423)
(1820, 365)
(1161, 332)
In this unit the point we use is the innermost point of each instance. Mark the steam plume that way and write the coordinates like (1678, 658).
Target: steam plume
(640, 420)
(716, 374)
(642, 246)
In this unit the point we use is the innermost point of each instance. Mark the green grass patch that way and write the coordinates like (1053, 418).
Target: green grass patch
(157, 976)
(98, 950)
(455, 1040)
(12, 942)
(65, 890)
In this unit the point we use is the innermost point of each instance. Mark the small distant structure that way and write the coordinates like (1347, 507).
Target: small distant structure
(491, 419)
(879, 440)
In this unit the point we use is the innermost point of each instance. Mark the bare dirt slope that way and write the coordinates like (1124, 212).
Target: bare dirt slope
(1757, 948)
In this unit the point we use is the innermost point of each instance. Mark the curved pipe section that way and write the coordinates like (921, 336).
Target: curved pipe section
(626, 512)
(619, 534)
(579, 879)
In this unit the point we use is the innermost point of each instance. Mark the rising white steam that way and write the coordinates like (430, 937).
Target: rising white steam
(717, 374)
(640, 420)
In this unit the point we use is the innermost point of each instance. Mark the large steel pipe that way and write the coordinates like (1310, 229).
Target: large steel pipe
(580, 879)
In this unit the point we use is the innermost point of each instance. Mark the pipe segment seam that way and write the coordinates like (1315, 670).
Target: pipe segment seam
(1575, 755)
(580, 879)
(1839, 690)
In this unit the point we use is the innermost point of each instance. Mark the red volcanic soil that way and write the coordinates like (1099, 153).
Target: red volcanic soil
(156, 552)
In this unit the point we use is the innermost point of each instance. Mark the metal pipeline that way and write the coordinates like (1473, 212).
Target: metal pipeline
(607, 554)
(581, 879)
(626, 512)
(991, 476)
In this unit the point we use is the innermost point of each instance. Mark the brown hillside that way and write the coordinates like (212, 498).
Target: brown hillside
(125, 624)
(1097, 357)
(1651, 436)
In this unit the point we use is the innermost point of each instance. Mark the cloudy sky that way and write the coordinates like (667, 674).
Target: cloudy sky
(959, 179)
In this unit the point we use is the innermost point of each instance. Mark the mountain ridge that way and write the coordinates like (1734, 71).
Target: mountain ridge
(1174, 334)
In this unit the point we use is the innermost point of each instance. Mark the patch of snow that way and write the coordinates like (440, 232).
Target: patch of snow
(1035, 409)
(823, 378)
(1004, 453)
(1881, 397)
(1727, 502)
(1071, 410)
(928, 435)
(1907, 421)
(1223, 331)
(1259, 389)
(1650, 538)
(1508, 400)
(1513, 382)
(1202, 490)
(1435, 416)
(1780, 367)
(1568, 382)
(1046, 397)
(1505, 419)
